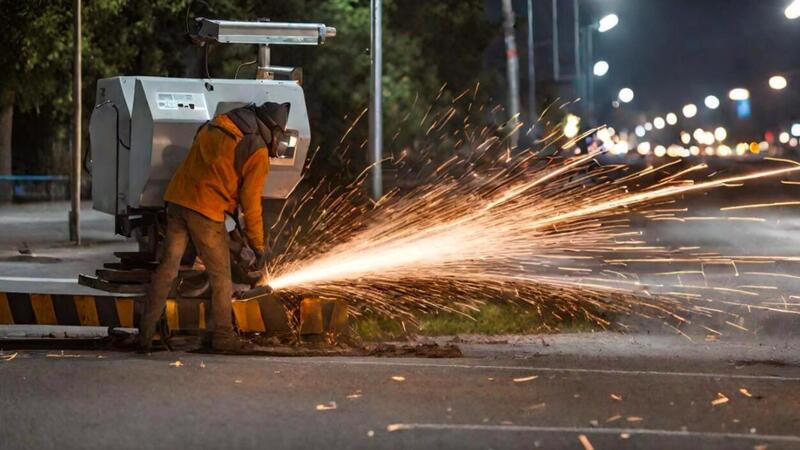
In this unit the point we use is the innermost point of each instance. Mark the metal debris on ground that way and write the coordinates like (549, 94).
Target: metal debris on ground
(417, 351)
(396, 427)
(536, 407)
(176, 364)
(326, 406)
(613, 418)
(625, 435)
(585, 442)
(525, 379)
(745, 392)
(62, 355)
(634, 419)
(398, 378)
(202, 365)
(721, 399)
(616, 397)
(370, 433)
(237, 381)
(354, 395)
(8, 357)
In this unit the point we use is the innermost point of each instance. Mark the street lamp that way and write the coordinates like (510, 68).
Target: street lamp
(689, 111)
(795, 130)
(672, 119)
(793, 10)
(600, 68)
(720, 134)
(626, 95)
(659, 123)
(739, 94)
(712, 102)
(606, 23)
(610, 21)
(778, 82)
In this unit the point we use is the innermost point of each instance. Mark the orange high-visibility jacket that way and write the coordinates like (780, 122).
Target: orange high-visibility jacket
(209, 183)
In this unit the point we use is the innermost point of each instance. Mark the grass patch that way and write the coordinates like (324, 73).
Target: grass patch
(493, 319)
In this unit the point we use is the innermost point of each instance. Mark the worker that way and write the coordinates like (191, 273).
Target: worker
(226, 167)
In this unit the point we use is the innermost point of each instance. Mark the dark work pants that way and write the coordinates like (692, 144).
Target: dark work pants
(211, 241)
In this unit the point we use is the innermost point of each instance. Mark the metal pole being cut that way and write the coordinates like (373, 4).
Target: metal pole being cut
(512, 66)
(74, 214)
(532, 106)
(375, 92)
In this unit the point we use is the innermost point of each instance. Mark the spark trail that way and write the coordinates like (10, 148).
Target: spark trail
(491, 235)
(544, 230)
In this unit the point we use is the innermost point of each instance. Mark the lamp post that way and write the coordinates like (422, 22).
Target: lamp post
(793, 10)
(606, 23)
(532, 106)
(75, 206)
(375, 106)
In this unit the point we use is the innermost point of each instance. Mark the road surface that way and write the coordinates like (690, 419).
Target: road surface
(647, 390)
(621, 392)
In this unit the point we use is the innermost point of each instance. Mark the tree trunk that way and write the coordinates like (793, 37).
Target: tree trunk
(6, 127)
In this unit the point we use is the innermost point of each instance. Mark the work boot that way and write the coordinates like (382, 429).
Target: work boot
(231, 343)
(145, 339)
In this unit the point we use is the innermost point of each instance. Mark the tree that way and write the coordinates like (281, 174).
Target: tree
(426, 44)
(33, 53)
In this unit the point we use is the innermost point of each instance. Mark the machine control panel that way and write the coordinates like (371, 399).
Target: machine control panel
(181, 100)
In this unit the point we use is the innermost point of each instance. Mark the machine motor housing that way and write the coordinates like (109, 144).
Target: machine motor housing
(138, 146)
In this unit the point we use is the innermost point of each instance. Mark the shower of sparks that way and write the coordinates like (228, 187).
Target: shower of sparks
(535, 227)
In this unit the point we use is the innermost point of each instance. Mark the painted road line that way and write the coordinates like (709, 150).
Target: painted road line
(532, 369)
(40, 279)
(587, 430)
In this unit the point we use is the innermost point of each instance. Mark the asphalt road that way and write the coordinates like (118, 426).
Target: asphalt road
(648, 390)
(619, 392)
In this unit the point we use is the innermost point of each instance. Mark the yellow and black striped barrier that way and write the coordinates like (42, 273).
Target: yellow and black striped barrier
(264, 314)
(18, 308)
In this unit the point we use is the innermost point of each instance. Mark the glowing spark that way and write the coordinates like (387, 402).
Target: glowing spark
(485, 224)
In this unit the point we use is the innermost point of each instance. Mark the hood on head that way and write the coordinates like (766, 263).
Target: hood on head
(274, 114)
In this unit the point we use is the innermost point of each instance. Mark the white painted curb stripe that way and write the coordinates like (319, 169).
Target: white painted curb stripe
(40, 280)
(533, 369)
(586, 430)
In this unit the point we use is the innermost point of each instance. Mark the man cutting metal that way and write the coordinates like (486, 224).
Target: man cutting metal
(226, 168)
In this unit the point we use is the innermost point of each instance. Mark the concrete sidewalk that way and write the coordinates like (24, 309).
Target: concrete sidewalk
(35, 252)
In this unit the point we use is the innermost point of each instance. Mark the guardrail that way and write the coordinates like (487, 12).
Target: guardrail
(37, 187)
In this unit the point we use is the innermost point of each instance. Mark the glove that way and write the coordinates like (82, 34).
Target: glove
(258, 272)
(262, 259)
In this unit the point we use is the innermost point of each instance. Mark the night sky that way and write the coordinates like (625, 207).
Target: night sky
(672, 52)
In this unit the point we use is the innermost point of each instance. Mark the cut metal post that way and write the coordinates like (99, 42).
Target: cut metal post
(556, 67)
(75, 211)
(512, 67)
(532, 106)
(375, 92)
